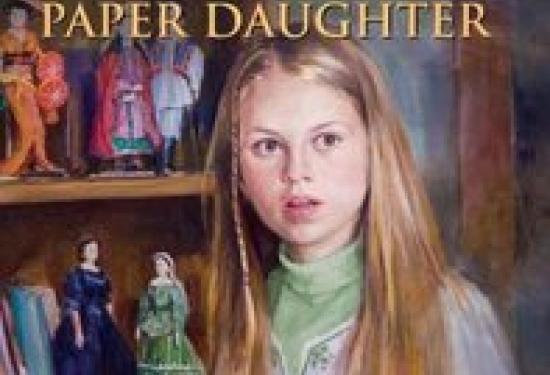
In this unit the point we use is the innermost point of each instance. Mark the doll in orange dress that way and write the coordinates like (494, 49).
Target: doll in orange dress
(19, 51)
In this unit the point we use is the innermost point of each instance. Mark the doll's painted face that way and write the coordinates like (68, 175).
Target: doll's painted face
(303, 160)
(161, 267)
(90, 253)
(18, 17)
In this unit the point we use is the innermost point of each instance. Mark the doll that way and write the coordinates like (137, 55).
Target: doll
(87, 341)
(326, 254)
(163, 310)
(178, 73)
(19, 54)
(124, 128)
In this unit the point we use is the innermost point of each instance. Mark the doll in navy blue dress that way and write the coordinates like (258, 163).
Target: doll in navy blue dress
(87, 341)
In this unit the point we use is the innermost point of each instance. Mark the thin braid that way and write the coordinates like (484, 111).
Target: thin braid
(243, 254)
(235, 205)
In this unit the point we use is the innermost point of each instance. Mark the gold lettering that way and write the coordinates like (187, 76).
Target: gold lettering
(48, 22)
(322, 12)
(477, 22)
(170, 14)
(441, 18)
(212, 13)
(259, 19)
(365, 19)
(138, 19)
(284, 17)
(80, 20)
(412, 16)
(118, 12)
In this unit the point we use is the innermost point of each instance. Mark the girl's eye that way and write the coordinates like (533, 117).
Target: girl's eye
(326, 141)
(266, 147)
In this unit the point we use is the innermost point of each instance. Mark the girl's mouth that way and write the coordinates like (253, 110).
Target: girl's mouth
(299, 209)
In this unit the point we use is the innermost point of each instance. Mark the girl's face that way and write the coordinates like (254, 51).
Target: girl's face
(161, 267)
(18, 17)
(91, 252)
(303, 160)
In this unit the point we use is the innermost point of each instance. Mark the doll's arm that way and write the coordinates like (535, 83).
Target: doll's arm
(77, 326)
(197, 69)
(109, 298)
(72, 304)
(180, 309)
(143, 313)
(35, 45)
(109, 308)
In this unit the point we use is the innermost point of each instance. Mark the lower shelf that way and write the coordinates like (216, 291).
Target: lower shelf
(66, 190)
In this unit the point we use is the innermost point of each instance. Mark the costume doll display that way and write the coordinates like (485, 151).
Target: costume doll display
(32, 106)
(179, 70)
(124, 128)
(163, 310)
(87, 341)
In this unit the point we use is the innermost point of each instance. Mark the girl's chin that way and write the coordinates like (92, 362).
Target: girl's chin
(302, 237)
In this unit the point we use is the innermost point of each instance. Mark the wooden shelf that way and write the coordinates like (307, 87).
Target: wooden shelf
(67, 190)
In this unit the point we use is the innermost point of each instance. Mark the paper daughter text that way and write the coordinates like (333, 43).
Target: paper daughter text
(332, 19)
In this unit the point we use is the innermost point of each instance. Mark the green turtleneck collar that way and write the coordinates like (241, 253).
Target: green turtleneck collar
(322, 275)
(308, 301)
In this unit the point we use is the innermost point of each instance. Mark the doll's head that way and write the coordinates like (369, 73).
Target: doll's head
(19, 13)
(18, 17)
(88, 250)
(164, 265)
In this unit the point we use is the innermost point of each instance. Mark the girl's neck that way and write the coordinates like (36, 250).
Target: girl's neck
(312, 251)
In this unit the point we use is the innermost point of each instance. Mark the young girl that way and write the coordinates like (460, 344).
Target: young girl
(327, 258)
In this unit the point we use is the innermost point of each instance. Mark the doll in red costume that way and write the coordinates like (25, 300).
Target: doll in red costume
(124, 129)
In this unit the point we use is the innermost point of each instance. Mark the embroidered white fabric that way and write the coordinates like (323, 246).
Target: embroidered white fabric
(477, 342)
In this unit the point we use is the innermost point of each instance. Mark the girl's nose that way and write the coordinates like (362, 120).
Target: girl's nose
(297, 168)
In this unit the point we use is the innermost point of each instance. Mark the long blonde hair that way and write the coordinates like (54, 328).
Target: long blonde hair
(399, 326)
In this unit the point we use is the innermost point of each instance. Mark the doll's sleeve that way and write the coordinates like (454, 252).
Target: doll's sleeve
(143, 310)
(197, 68)
(477, 343)
(74, 295)
(34, 44)
(181, 307)
(108, 290)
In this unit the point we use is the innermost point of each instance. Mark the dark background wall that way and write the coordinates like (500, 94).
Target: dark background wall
(532, 97)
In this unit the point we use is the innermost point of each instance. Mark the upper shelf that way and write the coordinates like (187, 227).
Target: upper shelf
(67, 190)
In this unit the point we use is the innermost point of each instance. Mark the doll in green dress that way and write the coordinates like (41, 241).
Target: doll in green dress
(163, 309)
